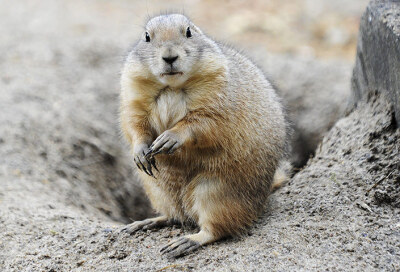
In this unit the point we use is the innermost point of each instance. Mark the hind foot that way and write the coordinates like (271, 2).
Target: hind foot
(187, 244)
(152, 223)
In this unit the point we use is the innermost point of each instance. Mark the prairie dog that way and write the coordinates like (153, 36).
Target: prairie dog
(206, 128)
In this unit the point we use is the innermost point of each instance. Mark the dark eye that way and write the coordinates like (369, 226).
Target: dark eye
(147, 37)
(188, 33)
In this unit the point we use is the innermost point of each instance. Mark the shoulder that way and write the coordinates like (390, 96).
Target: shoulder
(239, 62)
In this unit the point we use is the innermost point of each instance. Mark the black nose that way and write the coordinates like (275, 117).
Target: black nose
(170, 60)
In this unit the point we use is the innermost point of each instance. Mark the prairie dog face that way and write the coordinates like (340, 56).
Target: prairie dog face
(172, 49)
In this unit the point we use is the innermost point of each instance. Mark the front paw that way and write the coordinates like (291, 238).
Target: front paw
(168, 142)
(143, 162)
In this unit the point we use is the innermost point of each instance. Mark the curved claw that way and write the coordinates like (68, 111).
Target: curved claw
(167, 142)
(144, 168)
(153, 162)
(157, 150)
(149, 167)
(149, 152)
(146, 224)
(171, 149)
(137, 164)
(179, 247)
(135, 226)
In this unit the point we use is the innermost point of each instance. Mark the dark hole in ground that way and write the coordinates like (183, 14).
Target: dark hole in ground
(109, 179)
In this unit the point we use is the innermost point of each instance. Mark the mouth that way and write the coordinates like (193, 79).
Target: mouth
(171, 74)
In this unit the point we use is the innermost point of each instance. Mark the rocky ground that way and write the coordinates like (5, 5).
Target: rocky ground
(66, 179)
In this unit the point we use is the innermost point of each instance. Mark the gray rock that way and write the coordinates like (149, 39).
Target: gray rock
(378, 54)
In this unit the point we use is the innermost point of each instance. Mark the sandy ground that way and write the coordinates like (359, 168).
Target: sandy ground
(66, 179)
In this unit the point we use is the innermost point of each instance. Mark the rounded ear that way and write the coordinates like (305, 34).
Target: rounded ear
(195, 28)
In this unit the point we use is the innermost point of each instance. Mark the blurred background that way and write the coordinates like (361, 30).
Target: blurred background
(59, 85)
(320, 28)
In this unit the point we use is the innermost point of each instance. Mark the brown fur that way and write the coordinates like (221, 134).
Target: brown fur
(233, 132)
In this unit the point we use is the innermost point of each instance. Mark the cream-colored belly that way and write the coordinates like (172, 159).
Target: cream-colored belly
(170, 108)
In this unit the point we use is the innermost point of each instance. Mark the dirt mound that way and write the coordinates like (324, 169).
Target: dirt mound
(340, 212)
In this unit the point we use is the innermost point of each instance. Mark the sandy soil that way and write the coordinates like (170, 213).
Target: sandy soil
(66, 179)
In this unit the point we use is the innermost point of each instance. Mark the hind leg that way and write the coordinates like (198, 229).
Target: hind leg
(162, 204)
(188, 243)
(219, 212)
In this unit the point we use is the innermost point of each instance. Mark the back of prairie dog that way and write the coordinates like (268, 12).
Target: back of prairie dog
(206, 128)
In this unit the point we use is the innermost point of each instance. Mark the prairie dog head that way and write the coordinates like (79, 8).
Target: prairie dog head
(172, 49)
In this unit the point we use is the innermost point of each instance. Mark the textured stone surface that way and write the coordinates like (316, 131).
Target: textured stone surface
(378, 53)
